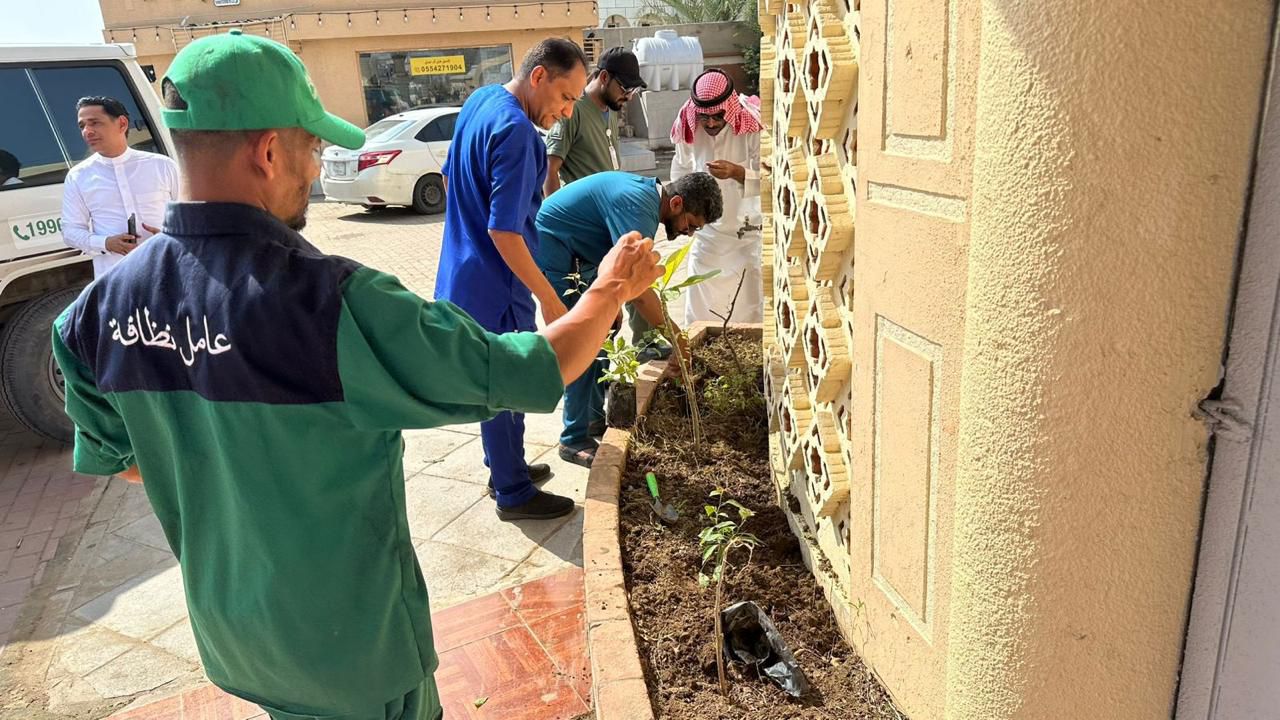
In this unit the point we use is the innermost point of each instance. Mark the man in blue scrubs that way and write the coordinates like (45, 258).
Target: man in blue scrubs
(495, 170)
(577, 227)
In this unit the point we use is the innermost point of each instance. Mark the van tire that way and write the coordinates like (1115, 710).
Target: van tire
(428, 195)
(29, 378)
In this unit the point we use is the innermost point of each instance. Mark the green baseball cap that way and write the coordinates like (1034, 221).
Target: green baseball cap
(243, 82)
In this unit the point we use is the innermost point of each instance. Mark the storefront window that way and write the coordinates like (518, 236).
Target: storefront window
(403, 80)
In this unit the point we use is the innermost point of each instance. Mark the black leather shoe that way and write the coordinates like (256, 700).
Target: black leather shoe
(543, 506)
(538, 473)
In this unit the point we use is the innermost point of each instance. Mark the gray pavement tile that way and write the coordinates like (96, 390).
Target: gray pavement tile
(568, 479)
(133, 506)
(179, 641)
(141, 669)
(130, 562)
(433, 502)
(544, 428)
(142, 607)
(455, 574)
(69, 693)
(480, 529)
(469, 429)
(84, 650)
(145, 530)
(83, 558)
(114, 546)
(424, 447)
(562, 550)
(466, 462)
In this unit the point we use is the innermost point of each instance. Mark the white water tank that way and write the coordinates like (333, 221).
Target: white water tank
(669, 61)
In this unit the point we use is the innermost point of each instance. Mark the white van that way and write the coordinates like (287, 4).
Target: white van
(39, 143)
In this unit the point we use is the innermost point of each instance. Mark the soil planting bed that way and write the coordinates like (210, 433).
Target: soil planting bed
(672, 614)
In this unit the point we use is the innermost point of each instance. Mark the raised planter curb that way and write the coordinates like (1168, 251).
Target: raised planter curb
(618, 688)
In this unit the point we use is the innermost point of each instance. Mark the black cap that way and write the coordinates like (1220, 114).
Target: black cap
(622, 64)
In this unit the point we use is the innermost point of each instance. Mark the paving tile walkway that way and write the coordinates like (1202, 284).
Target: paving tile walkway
(40, 500)
(516, 654)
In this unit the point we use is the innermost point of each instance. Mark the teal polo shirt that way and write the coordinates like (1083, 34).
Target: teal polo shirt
(584, 219)
(261, 387)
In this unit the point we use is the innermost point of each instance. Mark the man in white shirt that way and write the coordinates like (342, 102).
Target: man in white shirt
(113, 184)
(718, 131)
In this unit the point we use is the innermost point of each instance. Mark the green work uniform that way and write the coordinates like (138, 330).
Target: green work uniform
(586, 141)
(261, 387)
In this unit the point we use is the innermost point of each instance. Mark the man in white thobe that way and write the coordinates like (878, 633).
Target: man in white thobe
(113, 184)
(718, 131)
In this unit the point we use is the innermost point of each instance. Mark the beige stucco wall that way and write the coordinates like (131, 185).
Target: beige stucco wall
(1113, 150)
(331, 49)
(1048, 200)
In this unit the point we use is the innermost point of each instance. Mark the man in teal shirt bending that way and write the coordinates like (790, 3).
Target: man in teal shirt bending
(576, 227)
(260, 388)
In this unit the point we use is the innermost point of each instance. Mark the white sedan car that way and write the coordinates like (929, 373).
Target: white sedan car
(399, 164)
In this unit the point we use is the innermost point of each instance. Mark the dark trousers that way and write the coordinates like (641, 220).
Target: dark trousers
(503, 439)
(584, 397)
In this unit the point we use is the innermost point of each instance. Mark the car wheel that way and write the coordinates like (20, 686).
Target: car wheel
(428, 195)
(31, 383)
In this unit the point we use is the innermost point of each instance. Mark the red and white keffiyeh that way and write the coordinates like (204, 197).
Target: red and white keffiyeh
(713, 93)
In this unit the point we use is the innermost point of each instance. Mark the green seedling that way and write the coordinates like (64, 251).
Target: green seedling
(717, 541)
(577, 286)
(623, 366)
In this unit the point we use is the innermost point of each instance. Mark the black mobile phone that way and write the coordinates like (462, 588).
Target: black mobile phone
(133, 225)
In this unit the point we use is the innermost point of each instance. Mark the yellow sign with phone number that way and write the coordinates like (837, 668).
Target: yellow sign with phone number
(440, 65)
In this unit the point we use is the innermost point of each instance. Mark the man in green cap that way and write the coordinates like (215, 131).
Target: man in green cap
(260, 387)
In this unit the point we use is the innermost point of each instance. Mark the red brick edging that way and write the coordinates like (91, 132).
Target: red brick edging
(618, 688)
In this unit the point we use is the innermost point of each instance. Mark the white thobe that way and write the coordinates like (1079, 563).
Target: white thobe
(731, 244)
(101, 193)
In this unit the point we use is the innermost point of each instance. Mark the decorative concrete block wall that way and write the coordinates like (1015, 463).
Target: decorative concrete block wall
(809, 96)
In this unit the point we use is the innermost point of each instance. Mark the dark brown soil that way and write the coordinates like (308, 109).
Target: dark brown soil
(674, 616)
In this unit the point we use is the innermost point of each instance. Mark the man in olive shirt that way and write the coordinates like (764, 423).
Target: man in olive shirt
(260, 387)
(587, 142)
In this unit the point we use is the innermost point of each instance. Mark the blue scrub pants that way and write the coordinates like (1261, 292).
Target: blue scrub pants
(584, 397)
(503, 436)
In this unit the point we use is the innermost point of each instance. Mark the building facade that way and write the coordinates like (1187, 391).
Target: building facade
(1018, 366)
(368, 59)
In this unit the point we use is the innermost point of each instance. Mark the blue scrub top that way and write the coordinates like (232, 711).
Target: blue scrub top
(584, 219)
(496, 165)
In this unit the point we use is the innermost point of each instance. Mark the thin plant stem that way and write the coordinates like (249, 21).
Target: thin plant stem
(724, 685)
(724, 328)
(695, 417)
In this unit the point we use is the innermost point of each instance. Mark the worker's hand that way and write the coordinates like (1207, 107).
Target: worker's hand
(122, 244)
(152, 230)
(725, 170)
(630, 267)
(552, 308)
